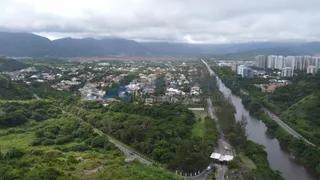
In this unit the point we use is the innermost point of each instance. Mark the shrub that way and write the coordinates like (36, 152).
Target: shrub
(48, 142)
(64, 140)
(49, 135)
(109, 146)
(37, 142)
(98, 142)
(79, 147)
(37, 152)
(39, 134)
(14, 153)
(49, 174)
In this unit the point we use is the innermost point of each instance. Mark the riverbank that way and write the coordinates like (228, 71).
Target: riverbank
(307, 154)
(254, 162)
(278, 158)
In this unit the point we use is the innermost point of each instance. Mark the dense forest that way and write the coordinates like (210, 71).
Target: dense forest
(163, 132)
(297, 104)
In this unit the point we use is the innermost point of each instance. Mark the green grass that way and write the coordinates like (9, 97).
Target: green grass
(199, 128)
(16, 140)
(304, 117)
(248, 162)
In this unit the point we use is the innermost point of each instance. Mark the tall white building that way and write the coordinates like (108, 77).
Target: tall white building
(287, 72)
(260, 61)
(289, 61)
(240, 69)
(299, 63)
(312, 69)
(307, 62)
(279, 62)
(313, 61)
(245, 71)
(271, 61)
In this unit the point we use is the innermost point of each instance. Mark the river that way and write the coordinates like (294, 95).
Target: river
(278, 157)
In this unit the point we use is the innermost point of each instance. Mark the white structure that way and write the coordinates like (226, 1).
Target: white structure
(244, 71)
(289, 61)
(287, 72)
(311, 70)
(195, 90)
(196, 109)
(279, 62)
(307, 62)
(299, 63)
(260, 61)
(221, 158)
(172, 91)
(239, 69)
(271, 61)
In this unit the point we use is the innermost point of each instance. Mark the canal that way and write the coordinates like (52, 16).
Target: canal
(279, 158)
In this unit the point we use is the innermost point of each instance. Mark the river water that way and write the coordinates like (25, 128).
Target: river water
(278, 157)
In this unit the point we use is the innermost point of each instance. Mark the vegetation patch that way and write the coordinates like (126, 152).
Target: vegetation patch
(199, 127)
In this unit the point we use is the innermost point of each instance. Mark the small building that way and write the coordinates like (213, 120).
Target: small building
(220, 158)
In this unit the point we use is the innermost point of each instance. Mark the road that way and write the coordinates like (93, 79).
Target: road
(285, 126)
(128, 152)
(221, 169)
(36, 96)
(125, 150)
(223, 147)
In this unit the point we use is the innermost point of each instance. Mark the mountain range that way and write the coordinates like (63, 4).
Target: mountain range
(27, 44)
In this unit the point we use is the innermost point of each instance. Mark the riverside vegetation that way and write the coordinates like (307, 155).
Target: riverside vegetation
(251, 161)
(297, 104)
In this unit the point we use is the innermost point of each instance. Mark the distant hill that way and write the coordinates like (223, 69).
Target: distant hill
(210, 49)
(7, 65)
(26, 44)
(94, 47)
(165, 48)
(312, 48)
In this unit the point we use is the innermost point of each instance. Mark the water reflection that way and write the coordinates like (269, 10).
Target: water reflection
(278, 157)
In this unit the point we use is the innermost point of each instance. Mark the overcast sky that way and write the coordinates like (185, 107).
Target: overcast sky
(193, 21)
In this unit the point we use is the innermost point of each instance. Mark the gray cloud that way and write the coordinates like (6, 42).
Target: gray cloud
(201, 21)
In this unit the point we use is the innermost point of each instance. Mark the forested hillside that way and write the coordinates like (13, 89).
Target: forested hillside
(11, 90)
(7, 65)
(304, 116)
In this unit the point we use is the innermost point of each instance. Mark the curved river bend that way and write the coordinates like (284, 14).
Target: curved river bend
(278, 157)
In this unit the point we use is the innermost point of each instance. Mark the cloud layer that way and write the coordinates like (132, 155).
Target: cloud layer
(193, 21)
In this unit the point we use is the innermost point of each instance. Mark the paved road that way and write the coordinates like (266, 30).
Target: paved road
(127, 153)
(285, 126)
(125, 150)
(36, 96)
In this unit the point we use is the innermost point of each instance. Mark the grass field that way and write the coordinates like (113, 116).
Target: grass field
(249, 163)
(199, 127)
